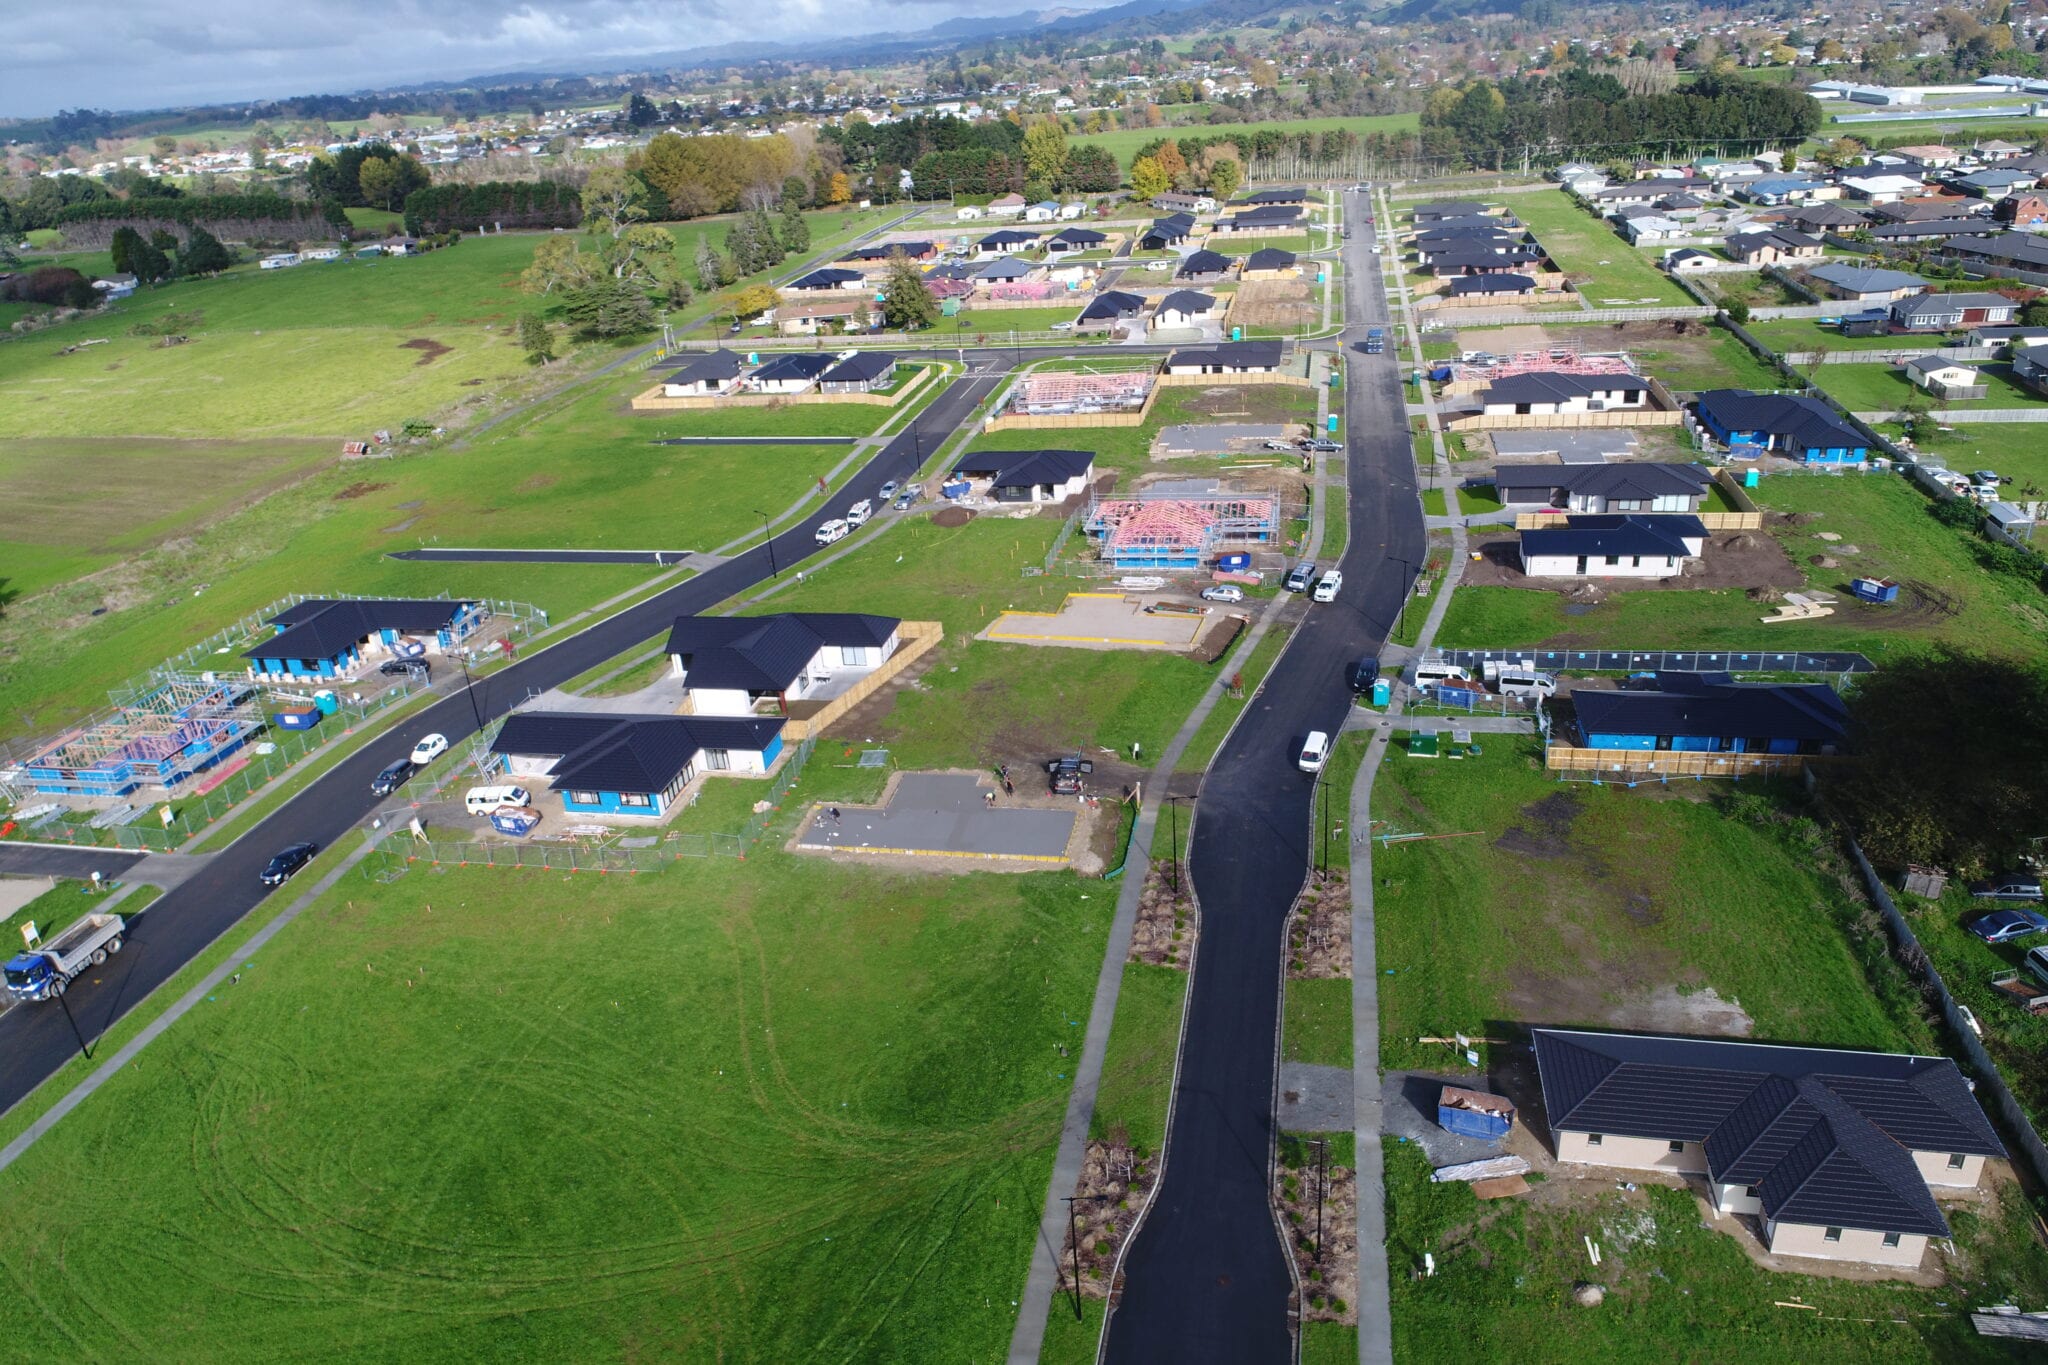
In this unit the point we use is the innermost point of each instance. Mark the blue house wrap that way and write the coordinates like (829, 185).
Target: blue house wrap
(1711, 713)
(322, 638)
(635, 765)
(1800, 428)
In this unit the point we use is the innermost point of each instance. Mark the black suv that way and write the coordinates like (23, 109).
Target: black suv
(1066, 774)
(1364, 674)
(392, 778)
(405, 668)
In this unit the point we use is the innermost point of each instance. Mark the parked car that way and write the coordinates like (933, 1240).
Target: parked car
(908, 498)
(1065, 774)
(1223, 592)
(887, 491)
(832, 530)
(1322, 447)
(1327, 586)
(858, 514)
(1299, 577)
(2008, 886)
(1061, 327)
(1315, 751)
(392, 778)
(288, 861)
(2003, 926)
(406, 668)
(1364, 674)
(428, 749)
(2036, 964)
(1989, 476)
(1159, 265)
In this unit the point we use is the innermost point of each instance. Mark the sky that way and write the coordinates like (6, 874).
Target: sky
(121, 54)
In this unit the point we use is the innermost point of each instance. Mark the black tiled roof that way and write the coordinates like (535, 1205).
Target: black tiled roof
(1291, 195)
(1663, 535)
(638, 755)
(1606, 481)
(718, 366)
(860, 368)
(765, 653)
(1471, 259)
(1826, 1136)
(1711, 704)
(1448, 208)
(793, 365)
(882, 251)
(1806, 421)
(1269, 258)
(1546, 386)
(1271, 216)
(1025, 468)
(826, 278)
(1204, 262)
(1492, 284)
(1114, 304)
(1004, 238)
(1080, 236)
(1254, 355)
(321, 628)
(1186, 301)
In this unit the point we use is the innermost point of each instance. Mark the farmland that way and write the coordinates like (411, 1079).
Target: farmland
(1125, 142)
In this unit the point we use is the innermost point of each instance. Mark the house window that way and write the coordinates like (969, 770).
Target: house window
(1627, 505)
(1831, 1235)
(582, 798)
(854, 656)
(1592, 1139)
(1678, 1146)
(1956, 1160)
(1614, 561)
(634, 799)
(1752, 1191)
(1891, 1239)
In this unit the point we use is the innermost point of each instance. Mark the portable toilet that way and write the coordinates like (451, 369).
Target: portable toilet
(1237, 334)
(1322, 276)
(1333, 424)
(1382, 692)
(1474, 1113)
(1336, 379)
(1751, 478)
(327, 702)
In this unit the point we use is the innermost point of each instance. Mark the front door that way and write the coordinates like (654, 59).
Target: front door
(1582, 564)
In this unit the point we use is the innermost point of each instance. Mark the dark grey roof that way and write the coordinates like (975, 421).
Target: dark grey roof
(827, 278)
(1080, 236)
(1247, 355)
(1186, 301)
(882, 251)
(2015, 248)
(1483, 222)
(1947, 305)
(1468, 259)
(1663, 535)
(1440, 236)
(1492, 284)
(1807, 421)
(1002, 239)
(1271, 216)
(1606, 480)
(1269, 258)
(1203, 262)
(1113, 304)
(717, 366)
(1708, 705)
(321, 628)
(1448, 208)
(1785, 239)
(1938, 227)
(1825, 1135)
(766, 653)
(793, 365)
(1008, 268)
(861, 367)
(1290, 195)
(1822, 215)
(1865, 280)
(1545, 386)
(1025, 468)
(638, 755)
(1174, 228)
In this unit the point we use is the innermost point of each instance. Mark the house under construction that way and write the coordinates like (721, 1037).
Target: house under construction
(1047, 395)
(1485, 367)
(1180, 528)
(161, 736)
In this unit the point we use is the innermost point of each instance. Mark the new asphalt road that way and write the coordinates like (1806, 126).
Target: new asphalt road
(1207, 1279)
(35, 1041)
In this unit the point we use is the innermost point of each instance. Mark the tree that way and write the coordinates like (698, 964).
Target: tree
(767, 245)
(907, 302)
(750, 302)
(376, 180)
(1789, 162)
(610, 307)
(1224, 178)
(203, 254)
(740, 247)
(796, 231)
(1167, 154)
(839, 190)
(2034, 313)
(127, 241)
(1737, 311)
(1149, 179)
(640, 111)
(710, 269)
(557, 266)
(1045, 150)
(611, 200)
(536, 338)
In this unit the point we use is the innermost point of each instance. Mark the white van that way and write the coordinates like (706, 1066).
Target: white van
(484, 800)
(1436, 675)
(1526, 683)
(1315, 750)
(833, 530)
(858, 514)
(1327, 585)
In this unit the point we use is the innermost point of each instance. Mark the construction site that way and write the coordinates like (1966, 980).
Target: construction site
(1183, 525)
(1474, 370)
(158, 739)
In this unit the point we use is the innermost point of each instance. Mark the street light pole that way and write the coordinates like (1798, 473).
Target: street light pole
(1074, 1239)
(1322, 1183)
(73, 1019)
(768, 539)
(1173, 841)
(469, 690)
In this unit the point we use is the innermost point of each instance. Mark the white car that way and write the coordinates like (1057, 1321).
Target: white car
(858, 514)
(1223, 592)
(429, 749)
(1159, 265)
(832, 530)
(1327, 586)
(1061, 327)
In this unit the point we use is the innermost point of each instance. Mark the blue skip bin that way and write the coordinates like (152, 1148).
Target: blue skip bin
(517, 821)
(1474, 1113)
(1875, 589)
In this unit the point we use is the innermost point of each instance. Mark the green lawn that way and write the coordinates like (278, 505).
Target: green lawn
(1125, 142)
(57, 909)
(826, 1078)
(997, 323)
(1883, 516)
(1317, 1025)
(1607, 271)
(1137, 1069)
(1881, 388)
(1806, 335)
(1230, 244)
(2017, 1041)
(1704, 358)
(375, 220)
(1477, 501)
(2015, 449)
(1575, 904)
(1676, 1288)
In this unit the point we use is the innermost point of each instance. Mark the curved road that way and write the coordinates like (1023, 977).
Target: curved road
(1207, 1279)
(35, 1041)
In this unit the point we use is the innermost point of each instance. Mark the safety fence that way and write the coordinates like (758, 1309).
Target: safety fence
(1656, 660)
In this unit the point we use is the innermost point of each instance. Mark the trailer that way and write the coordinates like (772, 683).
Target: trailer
(47, 970)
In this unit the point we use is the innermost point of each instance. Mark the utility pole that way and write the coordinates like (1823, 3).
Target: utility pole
(1074, 1238)
(768, 539)
(469, 690)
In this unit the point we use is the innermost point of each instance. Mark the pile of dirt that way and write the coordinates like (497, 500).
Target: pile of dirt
(1164, 934)
(952, 516)
(1115, 1177)
(1215, 642)
(358, 490)
(430, 350)
(1319, 931)
(1548, 831)
(1329, 1283)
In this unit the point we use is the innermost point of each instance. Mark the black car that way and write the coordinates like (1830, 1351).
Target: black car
(405, 668)
(288, 861)
(1066, 773)
(1364, 674)
(392, 778)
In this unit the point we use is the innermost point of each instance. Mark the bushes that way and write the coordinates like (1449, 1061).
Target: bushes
(51, 284)
(513, 204)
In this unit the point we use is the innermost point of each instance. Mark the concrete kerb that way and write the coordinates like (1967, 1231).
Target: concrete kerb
(158, 1026)
(1044, 1279)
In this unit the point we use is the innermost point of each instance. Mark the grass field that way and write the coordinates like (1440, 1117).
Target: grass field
(1881, 388)
(1127, 450)
(1607, 270)
(1126, 142)
(1887, 521)
(2015, 449)
(1714, 359)
(2016, 1040)
(810, 1116)
(1574, 904)
(1805, 334)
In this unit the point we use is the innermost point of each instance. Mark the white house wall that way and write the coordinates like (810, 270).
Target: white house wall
(1567, 566)
(1861, 1245)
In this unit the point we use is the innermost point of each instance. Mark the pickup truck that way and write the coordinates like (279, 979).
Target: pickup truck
(47, 971)
(1065, 774)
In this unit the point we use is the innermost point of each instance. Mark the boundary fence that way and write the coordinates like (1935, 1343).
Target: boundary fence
(1657, 660)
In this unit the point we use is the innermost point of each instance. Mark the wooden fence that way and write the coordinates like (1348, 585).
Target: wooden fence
(1509, 421)
(1630, 765)
(1713, 521)
(915, 640)
(653, 400)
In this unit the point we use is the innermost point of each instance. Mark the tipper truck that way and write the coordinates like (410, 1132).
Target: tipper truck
(43, 973)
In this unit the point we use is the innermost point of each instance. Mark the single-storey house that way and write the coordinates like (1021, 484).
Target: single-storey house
(1928, 209)
(281, 260)
(1270, 263)
(1792, 425)
(1997, 184)
(1628, 546)
(1006, 206)
(1929, 230)
(1489, 286)
(1492, 232)
(1173, 201)
(1167, 233)
(968, 212)
(1278, 218)
(1048, 210)
(2015, 250)
(1688, 260)
(1862, 284)
(1027, 475)
(628, 765)
(1551, 394)
(1074, 239)
(1472, 243)
(1651, 228)
(1611, 197)
(785, 374)
(1006, 270)
(1002, 242)
(758, 665)
(1184, 308)
(1203, 266)
(1819, 218)
(1835, 1153)
(324, 638)
(882, 251)
(1928, 156)
(1107, 309)
(803, 319)
(861, 372)
(1945, 378)
(1290, 194)
(1438, 210)
(1773, 190)
(699, 376)
(827, 280)
(1882, 189)
(1947, 312)
(1711, 713)
(2012, 338)
(1231, 357)
(2030, 367)
(1451, 264)
(1769, 246)
(1601, 489)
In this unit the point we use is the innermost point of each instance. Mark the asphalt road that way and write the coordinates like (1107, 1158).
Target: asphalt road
(543, 556)
(43, 860)
(34, 1042)
(1207, 1279)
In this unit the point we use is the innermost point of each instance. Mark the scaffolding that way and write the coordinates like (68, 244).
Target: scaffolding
(156, 738)
(1180, 532)
(1039, 395)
